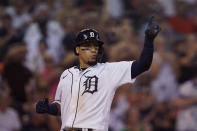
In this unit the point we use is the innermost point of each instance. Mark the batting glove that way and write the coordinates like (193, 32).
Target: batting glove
(42, 106)
(152, 29)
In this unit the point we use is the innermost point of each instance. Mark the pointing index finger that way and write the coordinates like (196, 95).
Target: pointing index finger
(151, 20)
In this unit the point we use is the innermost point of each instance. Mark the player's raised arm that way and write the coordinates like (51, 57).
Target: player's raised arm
(144, 62)
(43, 106)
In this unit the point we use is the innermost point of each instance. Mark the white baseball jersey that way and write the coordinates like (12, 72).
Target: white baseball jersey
(85, 96)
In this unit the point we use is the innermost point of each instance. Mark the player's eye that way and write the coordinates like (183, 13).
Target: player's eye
(96, 48)
(85, 48)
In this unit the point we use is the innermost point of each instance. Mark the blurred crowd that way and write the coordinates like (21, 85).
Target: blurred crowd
(36, 46)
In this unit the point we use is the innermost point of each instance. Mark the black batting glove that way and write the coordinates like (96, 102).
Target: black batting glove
(42, 106)
(152, 29)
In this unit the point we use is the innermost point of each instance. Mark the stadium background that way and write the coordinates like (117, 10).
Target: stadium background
(36, 45)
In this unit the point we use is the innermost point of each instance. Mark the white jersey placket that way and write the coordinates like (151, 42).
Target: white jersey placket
(77, 77)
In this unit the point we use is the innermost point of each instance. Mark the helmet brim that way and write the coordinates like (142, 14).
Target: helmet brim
(100, 43)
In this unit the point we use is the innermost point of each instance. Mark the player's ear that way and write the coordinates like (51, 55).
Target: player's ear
(77, 49)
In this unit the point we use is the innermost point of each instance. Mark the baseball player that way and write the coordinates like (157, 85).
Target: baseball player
(85, 92)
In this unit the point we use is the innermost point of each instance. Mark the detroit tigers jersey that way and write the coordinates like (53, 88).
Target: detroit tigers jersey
(85, 96)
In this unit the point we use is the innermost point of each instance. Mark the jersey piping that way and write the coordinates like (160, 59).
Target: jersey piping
(78, 98)
(72, 82)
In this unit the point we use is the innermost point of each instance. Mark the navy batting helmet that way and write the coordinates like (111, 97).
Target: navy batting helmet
(86, 36)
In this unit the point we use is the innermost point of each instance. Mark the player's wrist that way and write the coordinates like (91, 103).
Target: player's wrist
(53, 109)
(148, 42)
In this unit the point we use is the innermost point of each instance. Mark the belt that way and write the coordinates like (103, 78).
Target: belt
(77, 129)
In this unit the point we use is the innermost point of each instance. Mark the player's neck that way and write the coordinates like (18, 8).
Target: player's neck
(84, 65)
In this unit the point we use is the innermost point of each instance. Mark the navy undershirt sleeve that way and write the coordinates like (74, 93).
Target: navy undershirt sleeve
(144, 62)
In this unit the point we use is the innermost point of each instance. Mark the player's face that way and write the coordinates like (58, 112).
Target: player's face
(88, 54)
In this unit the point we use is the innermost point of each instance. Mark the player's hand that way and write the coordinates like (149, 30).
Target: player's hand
(42, 106)
(152, 29)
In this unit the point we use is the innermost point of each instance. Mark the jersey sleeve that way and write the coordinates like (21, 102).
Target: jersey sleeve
(58, 93)
(120, 72)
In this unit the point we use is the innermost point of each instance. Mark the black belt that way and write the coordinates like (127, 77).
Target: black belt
(76, 129)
